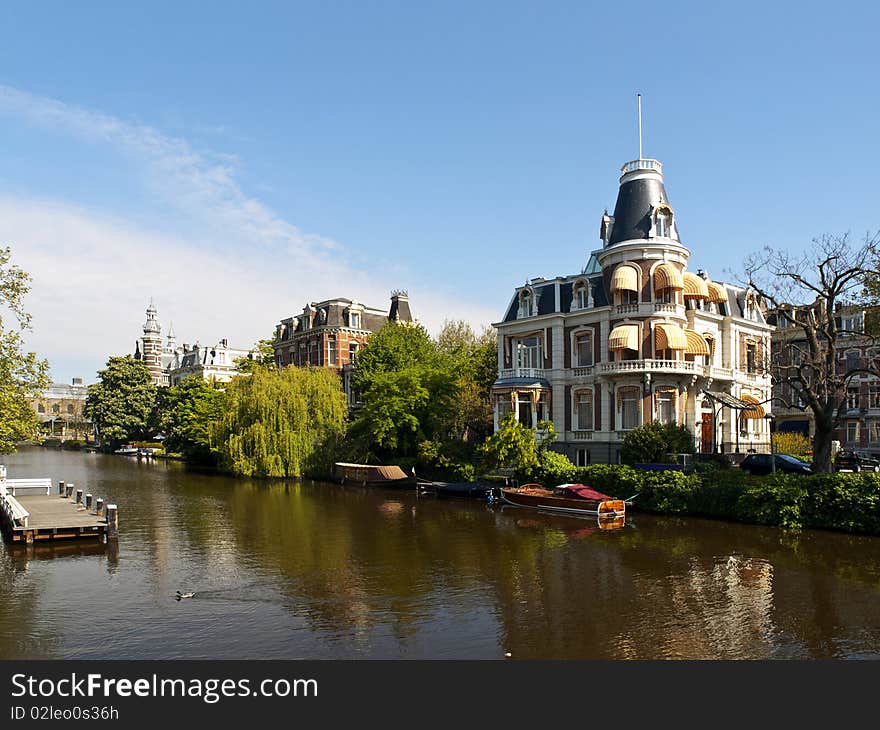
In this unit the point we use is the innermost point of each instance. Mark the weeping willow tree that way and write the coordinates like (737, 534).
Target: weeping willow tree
(281, 423)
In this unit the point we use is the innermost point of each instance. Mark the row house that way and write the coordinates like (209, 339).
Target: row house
(635, 337)
(857, 364)
(330, 333)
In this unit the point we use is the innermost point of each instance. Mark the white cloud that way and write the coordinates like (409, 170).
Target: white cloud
(94, 271)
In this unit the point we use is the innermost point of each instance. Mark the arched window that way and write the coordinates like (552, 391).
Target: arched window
(41, 408)
(663, 221)
(581, 298)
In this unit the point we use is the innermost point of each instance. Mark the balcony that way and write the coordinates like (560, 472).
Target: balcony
(712, 371)
(583, 372)
(647, 309)
(582, 435)
(532, 373)
(639, 366)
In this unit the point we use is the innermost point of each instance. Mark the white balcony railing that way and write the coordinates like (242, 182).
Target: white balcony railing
(642, 164)
(583, 372)
(627, 308)
(713, 371)
(523, 373)
(582, 435)
(670, 366)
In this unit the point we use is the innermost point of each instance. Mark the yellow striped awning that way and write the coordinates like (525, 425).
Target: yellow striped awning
(696, 343)
(667, 276)
(625, 278)
(755, 409)
(624, 337)
(669, 337)
(717, 293)
(695, 287)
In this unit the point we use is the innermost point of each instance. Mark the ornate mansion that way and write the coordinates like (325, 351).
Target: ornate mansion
(635, 337)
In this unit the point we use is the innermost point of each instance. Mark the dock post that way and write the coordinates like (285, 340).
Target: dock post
(79, 496)
(88, 501)
(61, 488)
(112, 522)
(68, 490)
(99, 506)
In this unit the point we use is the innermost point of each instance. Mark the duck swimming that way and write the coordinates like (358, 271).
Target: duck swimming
(180, 595)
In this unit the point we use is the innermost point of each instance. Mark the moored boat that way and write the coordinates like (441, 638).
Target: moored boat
(471, 490)
(576, 499)
(372, 475)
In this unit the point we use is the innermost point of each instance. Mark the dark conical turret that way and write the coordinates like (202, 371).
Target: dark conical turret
(642, 209)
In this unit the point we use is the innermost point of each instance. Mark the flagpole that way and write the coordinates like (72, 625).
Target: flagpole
(640, 126)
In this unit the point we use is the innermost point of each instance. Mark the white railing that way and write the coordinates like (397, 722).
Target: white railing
(665, 307)
(627, 308)
(32, 486)
(584, 371)
(641, 164)
(523, 373)
(12, 508)
(712, 371)
(624, 366)
(582, 435)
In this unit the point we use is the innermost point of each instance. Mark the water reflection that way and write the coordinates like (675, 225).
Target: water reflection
(288, 570)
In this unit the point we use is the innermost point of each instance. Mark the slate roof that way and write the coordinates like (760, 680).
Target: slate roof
(635, 201)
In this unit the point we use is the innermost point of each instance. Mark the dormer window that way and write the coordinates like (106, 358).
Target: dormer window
(663, 221)
(581, 298)
(354, 320)
(525, 304)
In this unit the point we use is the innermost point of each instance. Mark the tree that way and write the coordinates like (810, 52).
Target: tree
(805, 292)
(121, 404)
(474, 362)
(651, 443)
(187, 413)
(280, 423)
(512, 446)
(405, 389)
(262, 354)
(22, 375)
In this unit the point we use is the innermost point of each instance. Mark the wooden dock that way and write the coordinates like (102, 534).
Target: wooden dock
(30, 512)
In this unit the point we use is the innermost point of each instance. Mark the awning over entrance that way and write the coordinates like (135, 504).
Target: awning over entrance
(624, 337)
(669, 337)
(726, 399)
(696, 343)
(754, 408)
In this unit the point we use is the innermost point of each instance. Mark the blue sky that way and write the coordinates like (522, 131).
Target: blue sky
(235, 161)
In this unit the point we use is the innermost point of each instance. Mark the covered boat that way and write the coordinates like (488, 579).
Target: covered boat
(372, 475)
(578, 499)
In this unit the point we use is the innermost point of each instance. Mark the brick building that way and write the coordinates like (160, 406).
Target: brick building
(329, 333)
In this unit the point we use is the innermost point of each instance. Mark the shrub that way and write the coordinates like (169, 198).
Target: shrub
(793, 444)
(653, 442)
(554, 468)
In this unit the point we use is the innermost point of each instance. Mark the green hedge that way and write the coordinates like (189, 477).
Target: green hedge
(845, 502)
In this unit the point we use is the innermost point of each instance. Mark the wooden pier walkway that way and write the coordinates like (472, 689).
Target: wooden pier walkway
(30, 512)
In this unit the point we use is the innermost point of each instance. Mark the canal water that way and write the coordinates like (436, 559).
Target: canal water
(290, 570)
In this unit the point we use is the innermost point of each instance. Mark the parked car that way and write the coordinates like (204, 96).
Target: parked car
(762, 464)
(855, 461)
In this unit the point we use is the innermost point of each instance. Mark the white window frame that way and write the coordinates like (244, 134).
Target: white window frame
(586, 398)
